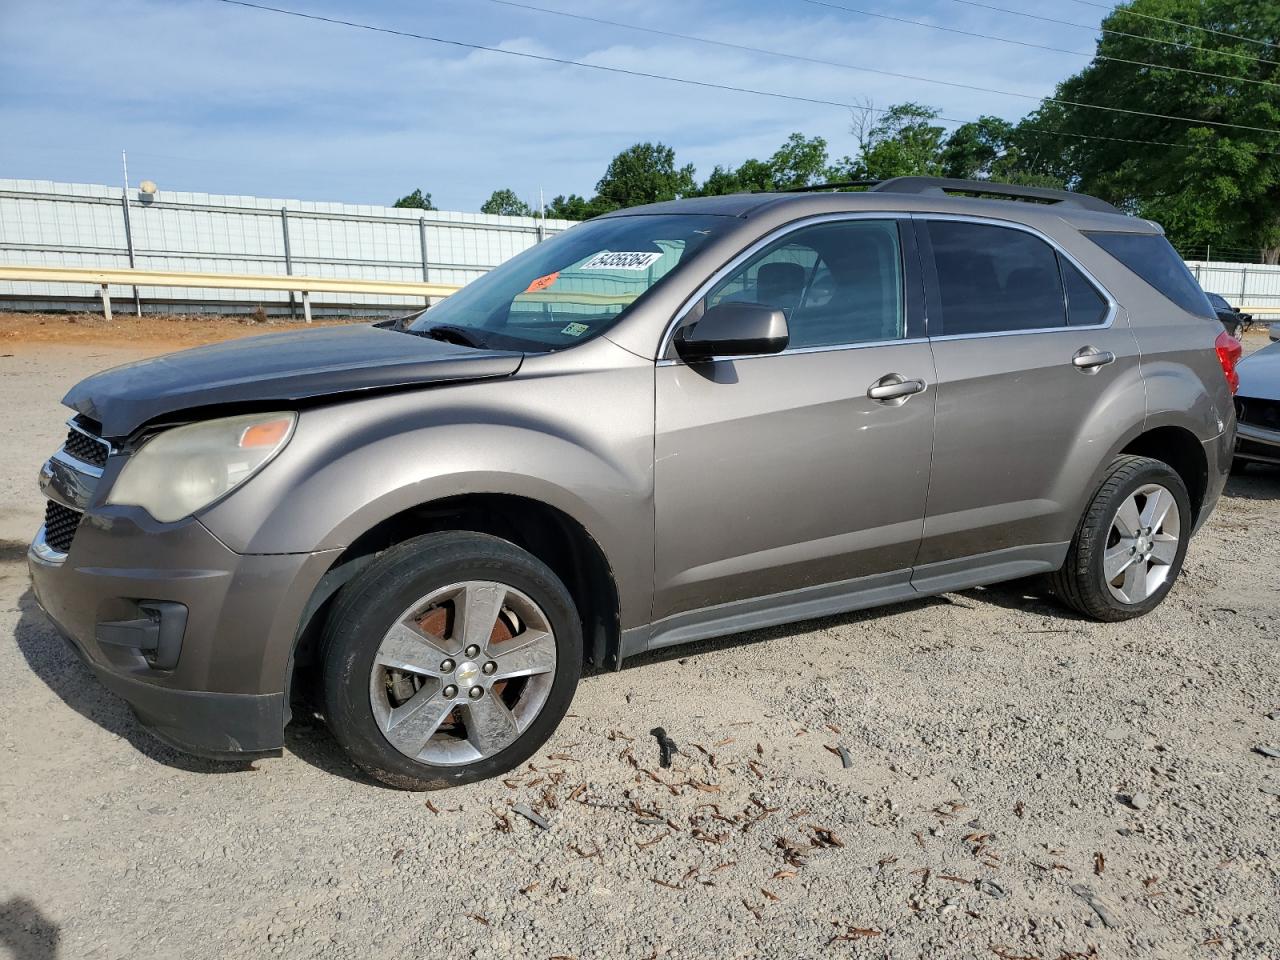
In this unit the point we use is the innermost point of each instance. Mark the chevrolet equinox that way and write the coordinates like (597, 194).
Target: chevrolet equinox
(672, 422)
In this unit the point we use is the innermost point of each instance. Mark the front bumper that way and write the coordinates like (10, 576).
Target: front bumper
(222, 692)
(1257, 444)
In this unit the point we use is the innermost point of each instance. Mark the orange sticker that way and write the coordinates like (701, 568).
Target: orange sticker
(543, 282)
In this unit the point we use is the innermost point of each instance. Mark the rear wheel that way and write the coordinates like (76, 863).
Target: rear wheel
(1129, 547)
(450, 659)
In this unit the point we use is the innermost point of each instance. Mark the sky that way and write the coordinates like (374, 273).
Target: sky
(210, 97)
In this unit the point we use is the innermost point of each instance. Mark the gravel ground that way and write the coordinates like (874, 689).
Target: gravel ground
(1020, 784)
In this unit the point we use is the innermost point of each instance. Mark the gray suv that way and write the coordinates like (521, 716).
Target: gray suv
(669, 423)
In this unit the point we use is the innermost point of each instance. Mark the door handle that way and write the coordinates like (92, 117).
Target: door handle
(894, 388)
(1090, 359)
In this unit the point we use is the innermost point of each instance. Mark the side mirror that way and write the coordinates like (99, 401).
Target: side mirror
(734, 330)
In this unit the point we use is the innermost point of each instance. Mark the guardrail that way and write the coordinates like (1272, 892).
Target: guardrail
(103, 277)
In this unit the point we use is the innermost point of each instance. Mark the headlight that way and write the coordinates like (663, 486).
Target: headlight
(178, 472)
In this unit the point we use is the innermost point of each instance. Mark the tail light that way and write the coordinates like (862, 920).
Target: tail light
(1229, 353)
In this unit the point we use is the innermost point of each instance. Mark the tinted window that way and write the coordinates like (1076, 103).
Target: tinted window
(576, 285)
(1151, 257)
(1219, 303)
(995, 279)
(1085, 305)
(836, 282)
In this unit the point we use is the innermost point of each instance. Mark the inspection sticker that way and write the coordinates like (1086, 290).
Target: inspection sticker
(542, 283)
(575, 329)
(622, 261)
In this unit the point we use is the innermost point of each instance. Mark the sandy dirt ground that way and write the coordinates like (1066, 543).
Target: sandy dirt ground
(1021, 783)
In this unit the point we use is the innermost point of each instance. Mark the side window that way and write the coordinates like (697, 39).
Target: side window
(1150, 256)
(995, 279)
(837, 283)
(1085, 305)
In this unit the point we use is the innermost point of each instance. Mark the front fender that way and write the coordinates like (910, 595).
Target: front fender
(351, 466)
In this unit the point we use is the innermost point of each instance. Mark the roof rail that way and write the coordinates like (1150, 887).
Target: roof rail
(820, 187)
(940, 186)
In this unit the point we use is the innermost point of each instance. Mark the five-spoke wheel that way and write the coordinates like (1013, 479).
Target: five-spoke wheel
(462, 672)
(450, 658)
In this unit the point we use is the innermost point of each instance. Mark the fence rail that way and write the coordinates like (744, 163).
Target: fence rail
(89, 226)
(104, 278)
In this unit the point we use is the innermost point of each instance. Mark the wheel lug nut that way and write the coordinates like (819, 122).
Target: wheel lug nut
(489, 668)
(472, 651)
(475, 693)
(450, 692)
(447, 666)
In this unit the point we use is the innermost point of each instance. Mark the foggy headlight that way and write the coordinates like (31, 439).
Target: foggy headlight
(184, 469)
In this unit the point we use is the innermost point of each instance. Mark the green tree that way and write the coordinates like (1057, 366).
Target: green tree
(643, 173)
(1205, 184)
(505, 203)
(416, 200)
(571, 207)
(799, 162)
(902, 141)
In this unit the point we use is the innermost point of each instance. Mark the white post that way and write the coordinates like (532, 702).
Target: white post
(306, 306)
(106, 303)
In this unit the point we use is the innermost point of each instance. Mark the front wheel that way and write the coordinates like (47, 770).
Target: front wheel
(450, 659)
(1129, 547)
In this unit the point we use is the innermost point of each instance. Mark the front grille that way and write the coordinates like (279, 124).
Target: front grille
(60, 525)
(1259, 413)
(86, 449)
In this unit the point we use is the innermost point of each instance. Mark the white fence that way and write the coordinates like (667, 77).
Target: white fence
(49, 224)
(1246, 285)
(89, 225)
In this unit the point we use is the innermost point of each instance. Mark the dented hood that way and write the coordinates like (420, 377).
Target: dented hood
(280, 367)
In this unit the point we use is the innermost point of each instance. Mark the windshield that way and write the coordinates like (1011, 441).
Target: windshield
(572, 287)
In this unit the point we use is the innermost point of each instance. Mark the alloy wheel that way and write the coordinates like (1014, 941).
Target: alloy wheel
(1142, 544)
(462, 673)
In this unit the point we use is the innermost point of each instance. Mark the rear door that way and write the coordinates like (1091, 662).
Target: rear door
(1028, 348)
(776, 473)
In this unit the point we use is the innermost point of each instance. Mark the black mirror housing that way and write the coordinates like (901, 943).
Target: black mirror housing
(734, 330)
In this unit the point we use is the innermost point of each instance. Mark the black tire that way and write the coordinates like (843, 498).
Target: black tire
(366, 608)
(1081, 583)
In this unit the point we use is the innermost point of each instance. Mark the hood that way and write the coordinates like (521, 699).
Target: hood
(1260, 374)
(280, 367)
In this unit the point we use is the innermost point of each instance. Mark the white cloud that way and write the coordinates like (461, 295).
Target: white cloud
(219, 98)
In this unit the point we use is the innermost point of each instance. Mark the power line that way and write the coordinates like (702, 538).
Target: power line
(1177, 23)
(1039, 46)
(1114, 33)
(884, 73)
(562, 61)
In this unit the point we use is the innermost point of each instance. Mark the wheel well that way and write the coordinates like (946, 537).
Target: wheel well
(549, 534)
(1181, 450)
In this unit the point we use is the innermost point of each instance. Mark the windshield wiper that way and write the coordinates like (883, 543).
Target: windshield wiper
(448, 333)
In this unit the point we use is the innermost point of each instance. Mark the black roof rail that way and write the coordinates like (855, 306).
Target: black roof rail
(941, 186)
(821, 187)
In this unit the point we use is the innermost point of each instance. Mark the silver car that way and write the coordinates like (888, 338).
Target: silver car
(1258, 408)
(669, 423)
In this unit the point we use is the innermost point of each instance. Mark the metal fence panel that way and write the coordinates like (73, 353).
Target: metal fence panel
(82, 225)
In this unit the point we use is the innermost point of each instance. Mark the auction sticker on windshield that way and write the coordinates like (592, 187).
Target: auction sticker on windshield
(622, 261)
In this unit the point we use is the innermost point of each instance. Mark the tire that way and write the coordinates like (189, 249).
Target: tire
(1082, 582)
(380, 619)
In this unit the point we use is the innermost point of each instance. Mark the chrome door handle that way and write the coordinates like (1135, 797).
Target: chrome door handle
(1089, 359)
(894, 387)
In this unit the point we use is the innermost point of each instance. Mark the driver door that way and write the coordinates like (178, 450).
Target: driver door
(779, 474)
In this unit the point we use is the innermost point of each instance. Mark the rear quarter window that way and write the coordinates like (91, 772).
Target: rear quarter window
(1152, 258)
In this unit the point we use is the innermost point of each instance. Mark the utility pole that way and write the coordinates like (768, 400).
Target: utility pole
(128, 230)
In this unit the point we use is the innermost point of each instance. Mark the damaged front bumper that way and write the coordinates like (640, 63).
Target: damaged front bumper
(197, 638)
